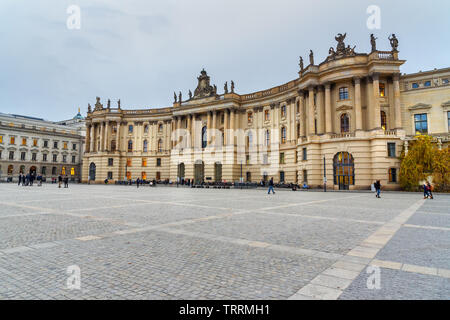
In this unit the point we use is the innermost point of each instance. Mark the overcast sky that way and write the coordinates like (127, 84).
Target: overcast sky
(141, 51)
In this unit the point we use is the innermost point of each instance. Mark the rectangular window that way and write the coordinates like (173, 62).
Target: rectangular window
(448, 120)
(393, 175)
(249, 117)
(73, 159)
(55, 158)
(415, 85)
(33, 156)
(1, 139)
(305, 154)
(391, 150)
(55, 145)
(45, 144)
(44, 157)
(64, 159)
(54, 171)
(296, 157)
(266, 115)
(65, 145)
(22, 156)
(24, 141)
(12, 140)
(247, 159)
(44, 171)
(74, 146)
(130, 129)
(343, 93)
(305, 176)
(110, 162)
(282, 176)
(11, 155)
(129, 162)
(144, 162)
(382, 90)
(282, 158)
(421, 123)
(158, 162)
(35, 142)
(283, 111)
(110, 175)
(427, 84)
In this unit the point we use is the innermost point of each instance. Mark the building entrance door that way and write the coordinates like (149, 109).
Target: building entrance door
(344, 170)
(92, 169)
(199, 172)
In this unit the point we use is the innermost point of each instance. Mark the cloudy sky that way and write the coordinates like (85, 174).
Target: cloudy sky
(141, 51)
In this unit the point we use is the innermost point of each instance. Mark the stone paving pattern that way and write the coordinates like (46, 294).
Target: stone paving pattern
(180, 243)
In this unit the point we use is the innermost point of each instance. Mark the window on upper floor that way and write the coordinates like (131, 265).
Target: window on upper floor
(160, 128)
(1, 139)
(129, 162)
(445, 81)
(250, 117)
(158, 162)
(266, 115)
(160, 145)
(45, 144)
(11, 155)
(304, 154)
(22, 156)
(130, 145)
(267, 137)
(383, 120)
(391, 150)
(382, 90)
(282, 161)
(343, 93)
(24, 141)
(74, 146)
(12, 140)
(427, 84)
(144, 162)
(345, 123)
(110, 162)
(130, 129)
(283, 135)
(44, 157)
(415, 85)
(283, 111)
(34, 156)
(35, 142)
(55, 145)
(65, 145)
(64, 159)
(421, 123)
(73, 159)
(55, 158)
(448, 121)
(146, 129)
(145, 146)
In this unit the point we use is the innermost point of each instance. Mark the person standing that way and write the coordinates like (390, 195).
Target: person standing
(137, 182)
(59, 181)
(20, 179)
(66, 182)
(271, 186)
(425, 190)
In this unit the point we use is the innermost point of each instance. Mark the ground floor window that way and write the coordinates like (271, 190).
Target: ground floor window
(305, 176)
(282, 176)
(393, 175)
(249, 176)
(158, 176)
(144, 176)
(110, 175)
(128, 175)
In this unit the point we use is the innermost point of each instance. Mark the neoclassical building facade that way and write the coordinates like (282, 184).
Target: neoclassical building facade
(343, 122)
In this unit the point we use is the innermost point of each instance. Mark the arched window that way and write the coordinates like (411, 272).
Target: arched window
(267, 137)
(383, 120)
(345, 123)
(160, 145)
(146, 128)
(204, 137)
(250, 117)
(145, 146)
(130, 145)
(283, 135)
(160, 128)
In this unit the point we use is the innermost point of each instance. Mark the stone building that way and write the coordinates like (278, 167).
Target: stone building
(33, 145)
(346, 118)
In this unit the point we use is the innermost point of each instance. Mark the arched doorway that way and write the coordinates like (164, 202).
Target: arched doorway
(199, 172)
(218, 172)
(344, 170)
(181, 171)
(33, 170)
(92, 169)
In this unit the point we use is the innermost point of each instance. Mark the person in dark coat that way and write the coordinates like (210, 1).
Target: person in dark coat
(66, 182)
(59, 181)
(271, 186)
(378, 188)
(429, 190)
(20, 179)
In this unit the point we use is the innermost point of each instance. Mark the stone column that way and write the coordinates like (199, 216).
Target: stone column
(232, 126)
(194, 131)
(397, 106)
(102, 132)
(293, 117)
(213, 127)
(302, 115)
(208, 128)
(88, 139)
(311, 130)
(328, 115)
(189, 129)
(376, 115)
(119, 126)
(226, 127)
(358, 110)
(178, 135)
(320, 111)
(106, 147)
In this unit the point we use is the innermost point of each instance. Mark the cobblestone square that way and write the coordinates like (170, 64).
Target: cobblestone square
(182, 243)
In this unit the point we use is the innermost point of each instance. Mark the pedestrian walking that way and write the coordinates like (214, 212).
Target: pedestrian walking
(425, 190)
(271, 186)
(430, 189)
(378, 188)
(20, 179)
(137, 182)
(59, 181)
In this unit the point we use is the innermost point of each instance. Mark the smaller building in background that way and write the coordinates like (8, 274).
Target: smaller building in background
(34, 145)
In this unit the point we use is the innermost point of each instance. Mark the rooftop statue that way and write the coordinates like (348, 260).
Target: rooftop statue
(301, 64)
(311, 57)
(204, 89)
(98, 105)
(225, 87)
(232, 86)
(190, 94)
(174, 97)
(394, 42)
(118, 104)
(373, 42)
(89, 108)
(341, 50)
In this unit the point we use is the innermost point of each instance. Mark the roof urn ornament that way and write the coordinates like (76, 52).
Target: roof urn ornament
(373, 42)
(394, 42)
(180, 96)
(89, 108)
(109, 104)
(118, 104)
(190, 94)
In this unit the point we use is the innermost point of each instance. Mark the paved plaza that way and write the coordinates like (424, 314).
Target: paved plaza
(182, 243)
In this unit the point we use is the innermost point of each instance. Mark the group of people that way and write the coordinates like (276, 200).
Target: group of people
(28, 179)
(64, 180)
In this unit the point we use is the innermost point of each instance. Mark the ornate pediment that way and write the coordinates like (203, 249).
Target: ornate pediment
(420, 106)
(204, 89)
(344, 107)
